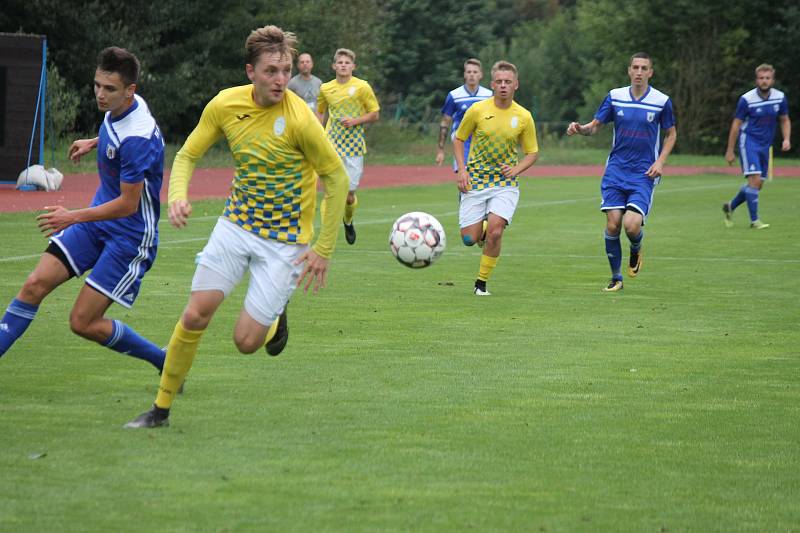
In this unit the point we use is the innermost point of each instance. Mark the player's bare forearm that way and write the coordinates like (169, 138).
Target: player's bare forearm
(57, 218)
(733, 134)
(80, 148)
(524, 164)
(786, 132)
(657, 167)
(590, 128)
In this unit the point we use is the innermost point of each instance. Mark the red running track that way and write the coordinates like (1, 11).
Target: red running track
(78, 189)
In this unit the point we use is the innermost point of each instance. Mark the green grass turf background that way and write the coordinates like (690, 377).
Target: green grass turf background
(403, 402)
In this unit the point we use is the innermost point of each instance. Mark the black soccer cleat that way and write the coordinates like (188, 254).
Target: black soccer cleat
(349, 233)
(154, 418)
(726, 209)
(635, 264)
(278, 341)
(614, 286)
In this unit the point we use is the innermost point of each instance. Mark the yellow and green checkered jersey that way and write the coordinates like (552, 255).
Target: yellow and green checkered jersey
(496, 133)
(346, 100)
(278, 151)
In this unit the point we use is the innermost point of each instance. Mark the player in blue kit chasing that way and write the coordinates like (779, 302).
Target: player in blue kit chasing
(757, 113)
(456, 104)
(116, 237)
(639, 113)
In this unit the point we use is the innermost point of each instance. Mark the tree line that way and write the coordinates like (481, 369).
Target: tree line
(570, 53)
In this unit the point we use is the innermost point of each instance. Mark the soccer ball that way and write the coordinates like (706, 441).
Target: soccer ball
(417, 239)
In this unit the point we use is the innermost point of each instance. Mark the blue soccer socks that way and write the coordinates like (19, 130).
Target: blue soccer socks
(739, 199)
(125, 340)
(15, 321)
(614, 253)
(751, 195)
(636, 242)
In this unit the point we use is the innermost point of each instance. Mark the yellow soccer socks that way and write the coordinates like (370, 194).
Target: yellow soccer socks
(181, 351)
(487, 265)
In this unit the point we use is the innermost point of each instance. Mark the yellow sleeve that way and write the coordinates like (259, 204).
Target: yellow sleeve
(320, 153)
(205, 134)
(336, 184)
(467, 125)
(322, 103)
(368, 99)
(528, 137)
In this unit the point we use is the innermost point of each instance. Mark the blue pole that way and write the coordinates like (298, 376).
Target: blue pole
(27, 186)
(43, 93)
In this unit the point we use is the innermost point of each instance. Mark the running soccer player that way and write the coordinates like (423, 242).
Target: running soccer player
(349, 104)
(757, 114)
(117, 236)
(456, 104)
(639, 112)
(487, 180)
(279, 148)
(305, 84)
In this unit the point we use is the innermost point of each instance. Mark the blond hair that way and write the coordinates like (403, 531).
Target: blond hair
(473, 61)
(344, 52)
(765, 67)
(504, 65)
(267, 40)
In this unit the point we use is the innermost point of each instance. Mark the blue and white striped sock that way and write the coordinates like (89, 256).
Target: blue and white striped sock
(16, 320)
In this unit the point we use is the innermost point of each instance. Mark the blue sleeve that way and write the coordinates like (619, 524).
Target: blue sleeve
(667, 116)
(605, 113)
(449, 107)
(784, 109)
(741, 109)
(135, 155)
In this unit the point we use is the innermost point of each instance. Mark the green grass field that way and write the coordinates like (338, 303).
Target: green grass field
(405, 403)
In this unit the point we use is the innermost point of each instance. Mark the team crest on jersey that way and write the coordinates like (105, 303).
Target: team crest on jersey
(620, 113)
(758, 110)
(775, 108)
(279, 127)
(650, 117)
(351, 91)
(111, 152)
(514, 122)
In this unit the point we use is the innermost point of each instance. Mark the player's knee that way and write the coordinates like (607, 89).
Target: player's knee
(81, 325)
(467, 240)
(194, 319)
(247, 344)
(34, 289)
(494, 234)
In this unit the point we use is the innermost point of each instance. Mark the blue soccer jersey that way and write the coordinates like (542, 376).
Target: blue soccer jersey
(130, 149)
(637, 131)
(457, 103)
(759, 117)
(120, 251)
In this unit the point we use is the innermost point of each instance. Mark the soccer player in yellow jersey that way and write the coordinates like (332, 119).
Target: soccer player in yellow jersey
(488, 179)
(349, 103)
(279, 148)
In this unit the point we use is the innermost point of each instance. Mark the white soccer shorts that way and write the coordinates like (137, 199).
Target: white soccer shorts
(354, 165)
(475, 206)
(231, 251)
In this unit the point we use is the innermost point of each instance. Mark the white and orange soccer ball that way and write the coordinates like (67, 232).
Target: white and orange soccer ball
(417, 239)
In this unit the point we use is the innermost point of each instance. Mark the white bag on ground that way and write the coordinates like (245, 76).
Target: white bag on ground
(43, 179)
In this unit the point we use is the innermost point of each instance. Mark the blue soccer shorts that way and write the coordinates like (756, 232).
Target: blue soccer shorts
(754, 159)
(634, 195)
(117, 262)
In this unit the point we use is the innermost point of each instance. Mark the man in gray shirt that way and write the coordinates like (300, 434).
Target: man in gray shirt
(305, 84)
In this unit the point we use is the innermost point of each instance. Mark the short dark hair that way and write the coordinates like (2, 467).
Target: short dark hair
(119, 60)
(641, 55)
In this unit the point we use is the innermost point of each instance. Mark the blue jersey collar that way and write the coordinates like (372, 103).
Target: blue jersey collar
(127, 112)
